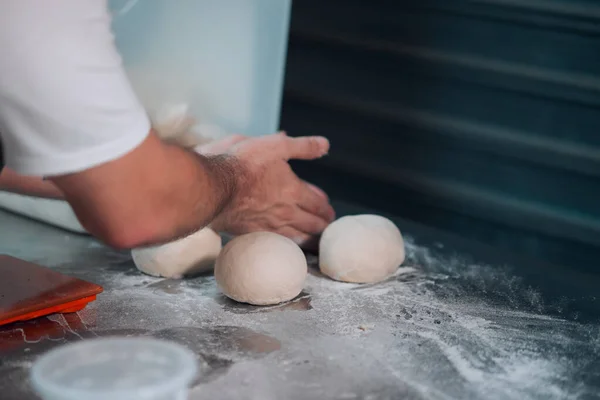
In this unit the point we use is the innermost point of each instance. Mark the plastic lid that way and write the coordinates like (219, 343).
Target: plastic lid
(115, 368)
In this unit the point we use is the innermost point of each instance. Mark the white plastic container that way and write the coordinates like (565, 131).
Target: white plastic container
(115, 369)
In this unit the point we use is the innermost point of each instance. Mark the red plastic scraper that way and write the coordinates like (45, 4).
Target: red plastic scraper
(29, 291)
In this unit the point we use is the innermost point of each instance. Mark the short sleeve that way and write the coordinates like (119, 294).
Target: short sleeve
(66, 103)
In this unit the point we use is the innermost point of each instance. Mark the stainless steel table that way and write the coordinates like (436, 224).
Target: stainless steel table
(454, 323)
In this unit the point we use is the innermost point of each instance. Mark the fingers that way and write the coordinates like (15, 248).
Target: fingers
(315, 202)
(298, 237)
(305, 148)
(308, 223)
(282, 146)
(317, 190)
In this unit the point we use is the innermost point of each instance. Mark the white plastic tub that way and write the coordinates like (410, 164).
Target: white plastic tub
(115, 369)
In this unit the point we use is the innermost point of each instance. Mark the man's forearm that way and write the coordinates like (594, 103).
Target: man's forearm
(10, 181)
(226, 176)
(211, 184)
(154, 194)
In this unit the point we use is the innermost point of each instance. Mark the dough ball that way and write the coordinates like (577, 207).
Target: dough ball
(261, 268)
(191, 255)
(361, 249)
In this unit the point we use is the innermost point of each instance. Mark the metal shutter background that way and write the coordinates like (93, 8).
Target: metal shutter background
(478, 117)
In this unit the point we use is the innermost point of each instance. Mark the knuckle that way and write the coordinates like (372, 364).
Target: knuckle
(311, 208)
(286, 144)
(273, 224)
(314, 206)
(293, 191)
(279, 218)
(252, 227)
(273, 140)
(285, 214)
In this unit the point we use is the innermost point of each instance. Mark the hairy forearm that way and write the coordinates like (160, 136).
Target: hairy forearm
(196, 196)
(155, 194)
(10, 181)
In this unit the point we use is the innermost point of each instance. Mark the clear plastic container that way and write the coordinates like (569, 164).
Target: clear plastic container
(115, 369)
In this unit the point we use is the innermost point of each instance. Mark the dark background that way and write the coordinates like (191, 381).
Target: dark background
(475, 117)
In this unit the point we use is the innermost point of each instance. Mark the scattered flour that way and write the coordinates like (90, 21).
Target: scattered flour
(440, 328)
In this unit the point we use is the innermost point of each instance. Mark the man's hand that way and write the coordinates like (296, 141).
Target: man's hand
(159, 192)
(272, 197)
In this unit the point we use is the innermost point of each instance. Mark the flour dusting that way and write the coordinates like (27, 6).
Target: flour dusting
(440, 328)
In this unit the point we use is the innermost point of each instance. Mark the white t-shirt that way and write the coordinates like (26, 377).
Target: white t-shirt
(66, 103)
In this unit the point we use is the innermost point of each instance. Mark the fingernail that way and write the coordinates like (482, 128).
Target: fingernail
(323, 144)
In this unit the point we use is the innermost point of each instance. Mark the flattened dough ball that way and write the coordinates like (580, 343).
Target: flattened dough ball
(190, 255)
(261, 268)
(361, 249)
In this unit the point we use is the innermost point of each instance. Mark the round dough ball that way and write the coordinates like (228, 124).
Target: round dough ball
(191, 255)
(261, 268)
(361, 249)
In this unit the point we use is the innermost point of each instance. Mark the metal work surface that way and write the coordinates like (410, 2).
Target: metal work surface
(452, 324)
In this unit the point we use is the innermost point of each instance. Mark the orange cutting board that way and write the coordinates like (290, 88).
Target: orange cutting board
(29, 291)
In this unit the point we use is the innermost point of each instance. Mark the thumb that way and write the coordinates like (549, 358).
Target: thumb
(307, 147)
